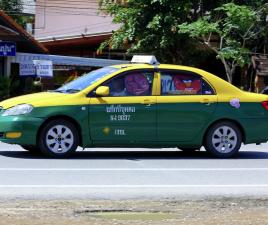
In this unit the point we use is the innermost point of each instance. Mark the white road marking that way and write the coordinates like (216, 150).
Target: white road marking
(138, 186)
(135, 169)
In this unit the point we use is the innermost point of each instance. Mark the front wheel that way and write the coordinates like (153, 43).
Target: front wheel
(223, 139)
(58, 138)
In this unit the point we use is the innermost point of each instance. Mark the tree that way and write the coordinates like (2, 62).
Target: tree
(237, 28)
(151, 26)
(4, 88)
(13, 8)
(163, 27)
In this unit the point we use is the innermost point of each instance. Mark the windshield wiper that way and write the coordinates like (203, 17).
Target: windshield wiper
(60, 91)
(65, 90)
(71, 90)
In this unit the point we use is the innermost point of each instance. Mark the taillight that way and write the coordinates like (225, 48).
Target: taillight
(265, 104)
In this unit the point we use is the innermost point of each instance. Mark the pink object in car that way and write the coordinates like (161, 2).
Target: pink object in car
(187, 84)
(136, 84)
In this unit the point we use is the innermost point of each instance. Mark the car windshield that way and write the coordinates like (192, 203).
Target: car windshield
(86, 80)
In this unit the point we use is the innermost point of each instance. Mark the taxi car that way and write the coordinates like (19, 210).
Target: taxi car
(141, 104)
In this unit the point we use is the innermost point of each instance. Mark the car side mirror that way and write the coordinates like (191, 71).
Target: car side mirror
(103, 91)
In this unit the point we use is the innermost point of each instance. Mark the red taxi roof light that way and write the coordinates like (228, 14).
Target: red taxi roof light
(265, 104)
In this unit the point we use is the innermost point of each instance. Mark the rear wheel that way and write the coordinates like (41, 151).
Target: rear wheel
(58, 138)
(223, 139)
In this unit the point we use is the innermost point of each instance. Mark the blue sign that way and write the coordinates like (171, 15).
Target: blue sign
(7, 48)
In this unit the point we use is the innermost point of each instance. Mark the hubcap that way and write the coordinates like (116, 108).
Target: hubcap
(59, 139)
(224, 139)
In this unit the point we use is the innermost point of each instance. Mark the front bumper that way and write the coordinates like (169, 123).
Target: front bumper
(26, 125)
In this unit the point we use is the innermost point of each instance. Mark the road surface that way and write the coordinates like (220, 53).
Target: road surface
(104, 173)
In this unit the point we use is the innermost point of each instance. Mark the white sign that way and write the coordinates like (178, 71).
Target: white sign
(44, 68)
(148, 59)
(27, 69)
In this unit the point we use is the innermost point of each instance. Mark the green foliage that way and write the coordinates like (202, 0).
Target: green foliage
(8, 87)
(238, 19)
(237, 54)
(151, 26)
(4, 87)
(13, 8)
(238, 28)
(199, 28)
(163, 27)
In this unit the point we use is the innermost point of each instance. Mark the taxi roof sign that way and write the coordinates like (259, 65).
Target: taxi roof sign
(147, 59)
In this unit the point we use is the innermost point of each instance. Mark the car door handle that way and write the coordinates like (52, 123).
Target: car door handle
(148, 102)
(207, 101)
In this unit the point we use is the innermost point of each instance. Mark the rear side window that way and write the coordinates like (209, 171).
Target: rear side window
(183, 83)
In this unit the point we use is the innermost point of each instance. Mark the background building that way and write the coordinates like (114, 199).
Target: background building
(11, 34)
(19, 49)
(29, 15)
(74, 28)
(29, 7)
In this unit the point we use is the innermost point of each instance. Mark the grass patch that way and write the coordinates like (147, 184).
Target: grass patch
(136, 215)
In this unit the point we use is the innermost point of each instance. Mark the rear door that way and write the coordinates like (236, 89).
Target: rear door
(184, 106)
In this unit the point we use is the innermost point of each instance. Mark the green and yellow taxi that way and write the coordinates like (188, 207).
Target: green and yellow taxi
(141, 104)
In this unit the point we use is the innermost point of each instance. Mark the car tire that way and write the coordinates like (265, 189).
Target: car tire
(58, 138)
(223, 140)
(31, 148)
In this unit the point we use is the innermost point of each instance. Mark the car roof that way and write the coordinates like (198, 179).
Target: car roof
(148, 66)
(132, 66)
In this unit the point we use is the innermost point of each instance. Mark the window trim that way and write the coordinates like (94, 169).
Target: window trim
(186, 72)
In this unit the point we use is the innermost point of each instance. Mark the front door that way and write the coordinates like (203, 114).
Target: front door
(184, 107)
(128, 114)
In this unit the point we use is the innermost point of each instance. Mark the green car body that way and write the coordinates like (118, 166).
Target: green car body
(152, 120)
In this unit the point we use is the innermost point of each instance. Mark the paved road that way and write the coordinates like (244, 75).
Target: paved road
(133, 173)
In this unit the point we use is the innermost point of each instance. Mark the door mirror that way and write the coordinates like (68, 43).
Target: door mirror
(103, 91)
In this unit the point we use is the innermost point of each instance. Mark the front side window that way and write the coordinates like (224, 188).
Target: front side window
(136, 83)
(182, 83)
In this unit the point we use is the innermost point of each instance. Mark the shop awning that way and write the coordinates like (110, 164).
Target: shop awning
(27, 58)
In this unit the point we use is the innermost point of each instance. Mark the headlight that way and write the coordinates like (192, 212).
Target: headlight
(18, 110)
